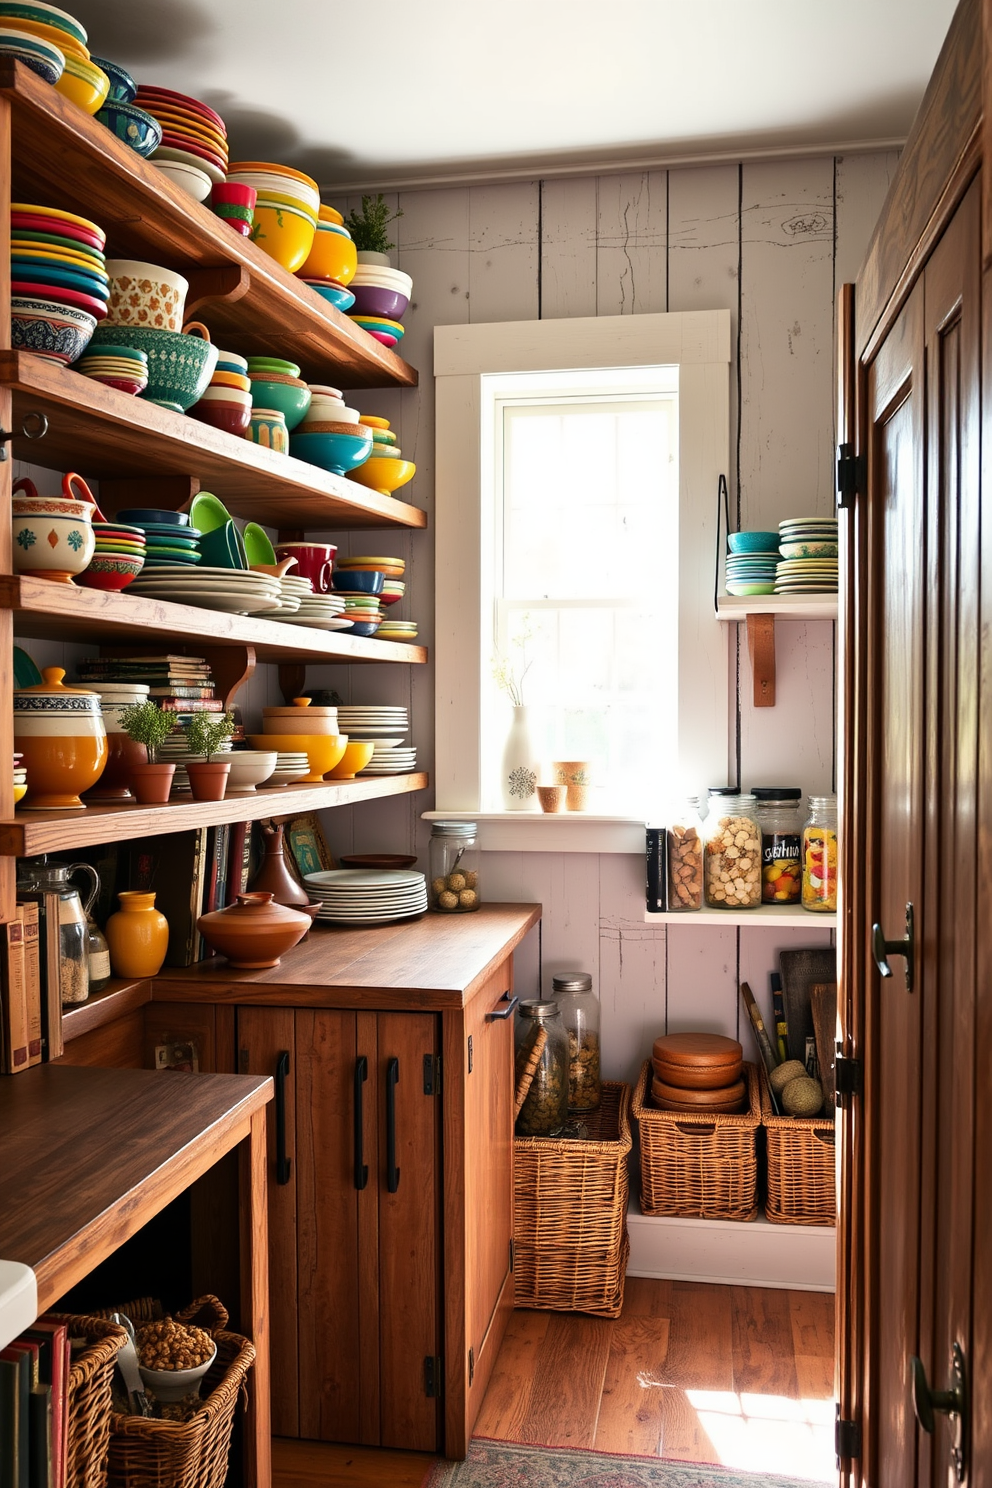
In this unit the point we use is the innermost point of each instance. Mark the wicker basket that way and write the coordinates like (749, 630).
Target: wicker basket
(802, 1177)
(570, 1219)
(88, 1398)
(699, 1166)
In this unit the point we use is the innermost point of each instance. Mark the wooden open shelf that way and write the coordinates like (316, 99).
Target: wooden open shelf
(105, 433)
(114, 1001)
(782, 606)
(64, 158)
(32, 832)
(762, 916)
(66, 612)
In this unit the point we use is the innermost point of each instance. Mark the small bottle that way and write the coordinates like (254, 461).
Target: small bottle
(544, 1060)
(98, 955)
(685, 858)
(820, 856)
(732, 857)
(781, 844)
(454, 867)
(579, 1006)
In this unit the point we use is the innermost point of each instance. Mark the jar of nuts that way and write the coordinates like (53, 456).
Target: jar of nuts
(542, 1058)
(732, 856)
(684, 858)
(454, 867)
(579, 1006)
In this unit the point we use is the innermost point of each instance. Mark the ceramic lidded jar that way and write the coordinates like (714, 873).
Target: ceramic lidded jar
(123, 751)
(255, 932)
(61, 734)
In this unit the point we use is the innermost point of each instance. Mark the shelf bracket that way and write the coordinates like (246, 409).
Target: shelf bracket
(761, 646)
(292, 680)
(228, 283)
(165, 492)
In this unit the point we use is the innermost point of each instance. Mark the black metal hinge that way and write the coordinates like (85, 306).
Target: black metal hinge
(471, 1365)
(471, 1054)
(847, 1439)
(511, 1255)
(851, 472)
(432, 1074)
(432, 1377)
(847, 1077)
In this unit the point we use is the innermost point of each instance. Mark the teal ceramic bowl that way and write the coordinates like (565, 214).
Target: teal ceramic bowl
(224, 547)
(752, 542)
(292, 402)
(337, 453)
(179, 366)
(122, 84)
(133, 125)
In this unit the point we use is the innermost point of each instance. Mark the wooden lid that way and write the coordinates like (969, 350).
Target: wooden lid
(732, 1108)
(712, 1050)
(700, 1100)
(697, 1077)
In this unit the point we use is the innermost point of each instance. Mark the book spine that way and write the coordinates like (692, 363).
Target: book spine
(657, 878)
(32, 990)
(196, 946)
(222, 853)
(40, 1443)
(173, 704)
(16, 1032)
(210, 890)
(236, 861)
(50, 956)
(28, 914)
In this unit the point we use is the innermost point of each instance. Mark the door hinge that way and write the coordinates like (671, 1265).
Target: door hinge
(471, 1366)
(432, 1377)
(847, 1439)
(851, 472)
(471, 1054)
(511, 1255)
(432, 1074)
(847, 1077)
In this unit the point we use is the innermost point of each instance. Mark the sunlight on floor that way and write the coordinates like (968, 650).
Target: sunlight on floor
(769, 1433)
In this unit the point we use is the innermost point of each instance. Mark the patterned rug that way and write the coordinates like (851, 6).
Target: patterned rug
(492, 1464)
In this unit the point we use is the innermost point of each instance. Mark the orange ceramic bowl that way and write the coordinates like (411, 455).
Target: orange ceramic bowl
(232, 380)
(60, 768)
(331, 257)
(323, 751)
(356, 756)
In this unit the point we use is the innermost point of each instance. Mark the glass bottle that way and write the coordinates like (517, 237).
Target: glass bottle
(684, 844)
(781, 844)
(37, 881)
(579, 1007)
(97, 955)
(732, 856)
(454, 867)
(820, 856)
(542, 1059)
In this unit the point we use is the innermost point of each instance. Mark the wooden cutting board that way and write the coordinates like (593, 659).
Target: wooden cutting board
(823, 1002)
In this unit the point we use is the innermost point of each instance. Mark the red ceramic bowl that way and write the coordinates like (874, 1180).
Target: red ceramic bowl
(230, 417)
(194, 147)
(57, 228)
(166, 95)
(110, 572)
(96, 308)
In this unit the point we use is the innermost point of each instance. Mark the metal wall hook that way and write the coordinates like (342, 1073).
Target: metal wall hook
(38, 423)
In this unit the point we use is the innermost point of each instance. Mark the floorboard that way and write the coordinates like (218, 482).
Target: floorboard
(571, 1368)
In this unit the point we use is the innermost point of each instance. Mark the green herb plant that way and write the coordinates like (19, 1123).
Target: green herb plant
(206, 732)
(146, 723)
(368, 227)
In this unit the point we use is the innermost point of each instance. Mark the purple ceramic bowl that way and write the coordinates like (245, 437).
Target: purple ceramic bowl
(371, 299)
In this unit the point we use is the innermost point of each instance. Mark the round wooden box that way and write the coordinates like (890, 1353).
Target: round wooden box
(697, 1061)
(671, 1098)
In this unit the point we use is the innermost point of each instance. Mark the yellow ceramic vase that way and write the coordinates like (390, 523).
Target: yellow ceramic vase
(138, 936)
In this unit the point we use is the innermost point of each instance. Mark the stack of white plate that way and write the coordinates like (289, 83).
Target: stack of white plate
(387, 726)
(322, 611)
(234, 591)
(296, 588)
(367, 896)
(289, 767)
(391, 760)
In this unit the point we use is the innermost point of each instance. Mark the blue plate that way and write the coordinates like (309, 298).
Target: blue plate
(164, 529)
(154, 517)
(36, 271)
(339, 297)
(157, 541)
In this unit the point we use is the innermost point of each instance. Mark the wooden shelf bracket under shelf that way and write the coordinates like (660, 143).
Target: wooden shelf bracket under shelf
(761, 648)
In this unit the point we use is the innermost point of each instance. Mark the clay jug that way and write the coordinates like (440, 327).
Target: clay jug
(138, 936)
(273, 875)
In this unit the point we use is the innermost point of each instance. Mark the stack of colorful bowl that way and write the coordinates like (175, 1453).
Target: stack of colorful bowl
(808, 546)
(118, 558)
(751, 564)
(332, 261)
(122, 367)
(360, 591)
(20, 779)
(226, 402)
(128, 119)
(276, 384)
(397, 630)
(385, 470)
(330, 435)
(59, 283)
(193, 136)
(169, 537)
(380, 292)
(41, 36)
(285, 217)
(356, 574)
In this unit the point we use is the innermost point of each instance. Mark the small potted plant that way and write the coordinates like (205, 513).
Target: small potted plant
(368, 230)
(205, 733)
(146, 723)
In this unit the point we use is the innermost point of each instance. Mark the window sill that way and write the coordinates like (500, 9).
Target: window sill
(538, 831)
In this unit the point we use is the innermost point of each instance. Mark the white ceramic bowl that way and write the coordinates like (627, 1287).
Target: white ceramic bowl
(174, 1384)
(269, 183)
(196, 183)
(249, 767)
(385, 278)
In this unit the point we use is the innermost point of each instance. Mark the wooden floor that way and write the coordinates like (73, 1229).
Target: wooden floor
(738, 1375)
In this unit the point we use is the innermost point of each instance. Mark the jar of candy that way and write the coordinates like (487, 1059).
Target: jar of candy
(732, 856)
(541, 1062)
(778, 818)
(579, 1007)
(820, 855)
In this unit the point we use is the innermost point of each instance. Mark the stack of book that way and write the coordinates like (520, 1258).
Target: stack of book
(182, 685)
(34, 1408)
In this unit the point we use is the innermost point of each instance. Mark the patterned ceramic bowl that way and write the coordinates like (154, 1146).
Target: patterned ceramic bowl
(179, 365)
(132, 125)
(144, 294)
(58, 332)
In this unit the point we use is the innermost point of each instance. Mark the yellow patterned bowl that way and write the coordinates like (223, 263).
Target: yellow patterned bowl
(67, 44)
(384, 474)
(20, 791)
(284, 233)
(84, 83)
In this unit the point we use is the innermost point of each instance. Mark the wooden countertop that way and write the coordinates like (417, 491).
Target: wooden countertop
(89, 1155)
(433, 964)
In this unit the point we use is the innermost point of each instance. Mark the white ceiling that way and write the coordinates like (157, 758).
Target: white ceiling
(391, 90)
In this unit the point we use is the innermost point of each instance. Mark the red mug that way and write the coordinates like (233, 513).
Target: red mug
(313, 562)
(233, 194)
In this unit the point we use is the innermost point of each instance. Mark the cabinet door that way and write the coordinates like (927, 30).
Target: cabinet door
(409, 1249)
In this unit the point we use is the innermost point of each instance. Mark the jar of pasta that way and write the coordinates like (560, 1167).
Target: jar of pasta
(820, 855)
(732, 855)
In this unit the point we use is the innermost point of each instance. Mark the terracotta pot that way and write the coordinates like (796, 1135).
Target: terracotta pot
(138, 935)
(274, 877)
(208, 779)
(151, 784)
(255, 932)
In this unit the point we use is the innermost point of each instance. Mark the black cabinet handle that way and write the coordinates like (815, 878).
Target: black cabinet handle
(392, 1080)
(361, 1167)
(498, 1014)
(882, 949)
(282, 1161)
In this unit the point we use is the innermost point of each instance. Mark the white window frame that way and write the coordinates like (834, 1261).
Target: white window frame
(698, 343)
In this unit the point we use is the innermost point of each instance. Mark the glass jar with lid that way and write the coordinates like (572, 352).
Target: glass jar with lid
(49, 885)
(541, 1064)
(820, 856)
(579, 1007)
(732, 855)
(454, 867)
(781, 845)
(684, 857)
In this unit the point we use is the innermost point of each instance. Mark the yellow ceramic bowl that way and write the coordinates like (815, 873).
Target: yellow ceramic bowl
(283, 233)
(355, 758)
(383, 474)
(231, 379)
(323, 751)
(67, 45)
(84, 84)
(20, 791)
(331, 214)
(331, 257)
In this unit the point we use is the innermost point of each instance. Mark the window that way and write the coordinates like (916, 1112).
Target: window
(577, 466)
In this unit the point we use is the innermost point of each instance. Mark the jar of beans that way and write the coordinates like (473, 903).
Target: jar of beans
(454, 867)
(579, 1007)
(732, 853)
(820, 855)
(541, 1062)
(684, 858)
(781, 847)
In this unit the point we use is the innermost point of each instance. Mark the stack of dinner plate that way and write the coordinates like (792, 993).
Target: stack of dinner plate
(391, 759)
(386, 726)
(290, 767)
(367, 896)
(809, 565)
(233, 591)
(322, 611)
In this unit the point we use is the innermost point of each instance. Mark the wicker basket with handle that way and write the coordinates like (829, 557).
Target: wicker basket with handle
(802, 1181)
(88, 1397)
(699, 1166)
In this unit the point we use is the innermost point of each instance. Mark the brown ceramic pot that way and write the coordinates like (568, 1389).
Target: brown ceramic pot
(151, 784)
(208, 779)
(255, 932)
(273, 875)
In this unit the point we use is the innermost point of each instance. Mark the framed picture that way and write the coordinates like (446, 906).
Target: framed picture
(306, 844)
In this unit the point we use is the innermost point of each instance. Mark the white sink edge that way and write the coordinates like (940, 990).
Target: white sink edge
(18, 1300)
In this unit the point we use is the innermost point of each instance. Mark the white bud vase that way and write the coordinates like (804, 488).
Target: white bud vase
(520, 765)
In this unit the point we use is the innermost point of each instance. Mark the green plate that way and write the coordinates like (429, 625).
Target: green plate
(26, 674)
(207, 512)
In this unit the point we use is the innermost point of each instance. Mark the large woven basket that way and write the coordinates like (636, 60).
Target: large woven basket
(802, 1175)
(699, 1166)
(88, 1398)
(571, 1280)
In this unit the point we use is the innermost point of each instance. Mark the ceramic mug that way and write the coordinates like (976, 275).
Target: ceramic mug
(313, 562)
